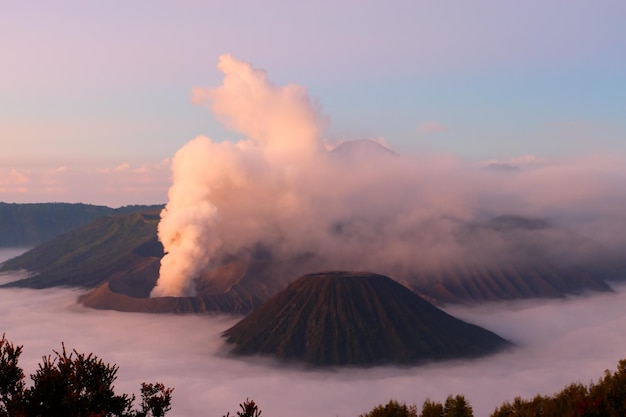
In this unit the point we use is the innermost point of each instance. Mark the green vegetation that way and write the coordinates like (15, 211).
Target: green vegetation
(71, 385)
(605, 398)
(23, 225)
(30, 224)
(456, 406)
(122, 248)
(80, 385)
(393, 409)
(248, 409)
(91, 254)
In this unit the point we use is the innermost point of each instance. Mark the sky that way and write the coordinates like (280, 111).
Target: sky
(95, 97)
(556, 344)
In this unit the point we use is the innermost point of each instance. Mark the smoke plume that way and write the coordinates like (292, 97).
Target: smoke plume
(360, 205)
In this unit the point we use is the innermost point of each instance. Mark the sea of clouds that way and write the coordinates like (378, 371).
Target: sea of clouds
(557, 342)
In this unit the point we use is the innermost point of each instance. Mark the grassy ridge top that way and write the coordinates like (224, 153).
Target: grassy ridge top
(91, 254)
(23, 225)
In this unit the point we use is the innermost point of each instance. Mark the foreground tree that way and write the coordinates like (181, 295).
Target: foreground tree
(606, 398)
(432, 409)
(392, 409)
(248, 409)
(457, 406)
(11, 379)
(71, 385)
(156, 400)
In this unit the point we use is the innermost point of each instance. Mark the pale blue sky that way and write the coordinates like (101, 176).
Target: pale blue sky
(109, 82)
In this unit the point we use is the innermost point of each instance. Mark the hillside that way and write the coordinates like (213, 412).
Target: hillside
(474, 282)
(120, 255)
(24, 225)
(113, 246)
(237, 287)
(349, 318)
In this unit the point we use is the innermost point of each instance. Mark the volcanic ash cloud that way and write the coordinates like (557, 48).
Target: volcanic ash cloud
(362, 207)
(225, 186)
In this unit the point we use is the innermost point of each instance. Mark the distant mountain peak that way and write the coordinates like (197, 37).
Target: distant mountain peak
(362, 147)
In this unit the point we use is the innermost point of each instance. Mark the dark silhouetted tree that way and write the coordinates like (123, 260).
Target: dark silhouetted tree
(75, 384)
(392, 409)
(457, 406)
(11, 379)
(156, 400)
(606, 398)
(432, 409)
(71, 385)
(248, 409)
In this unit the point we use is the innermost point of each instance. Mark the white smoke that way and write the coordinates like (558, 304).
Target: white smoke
(219, 182)
(187, 226)
(361, 206)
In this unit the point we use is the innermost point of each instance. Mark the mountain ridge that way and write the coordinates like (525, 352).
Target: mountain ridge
(29, 224)
(122, 254)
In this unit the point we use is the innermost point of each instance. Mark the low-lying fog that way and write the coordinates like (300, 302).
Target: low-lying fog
(558, 342)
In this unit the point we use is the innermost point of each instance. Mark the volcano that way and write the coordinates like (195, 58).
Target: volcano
(117, 259)
(356, 318)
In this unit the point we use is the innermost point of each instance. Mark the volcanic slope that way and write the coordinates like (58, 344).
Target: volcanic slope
(536, 273)
(355, 318)
(23, 225)
(237, 287)
(110, 248)
(119, 257)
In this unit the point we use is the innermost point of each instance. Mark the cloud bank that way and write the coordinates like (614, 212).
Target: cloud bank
(558, 342)
(97, 183)
(359, 206)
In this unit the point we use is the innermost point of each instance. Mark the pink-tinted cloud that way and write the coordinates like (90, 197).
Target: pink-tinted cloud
(119, 184)
(13, 180)
(431, 127)
(526, 161)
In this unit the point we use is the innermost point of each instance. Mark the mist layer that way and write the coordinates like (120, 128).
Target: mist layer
(359, 206)
(558, 342)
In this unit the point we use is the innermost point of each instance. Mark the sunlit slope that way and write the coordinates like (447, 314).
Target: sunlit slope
(30, 224)
(120, 255)
(347, 318)
(23, 225)
(120, 247)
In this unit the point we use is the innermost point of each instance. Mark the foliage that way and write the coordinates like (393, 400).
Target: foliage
(71, 385)
(606, 398)
(248, 409)
(392, 409)
(11, 378)
(91, 254)
(457, 406)
(155, 400)
(23, 225)
(432, 409)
